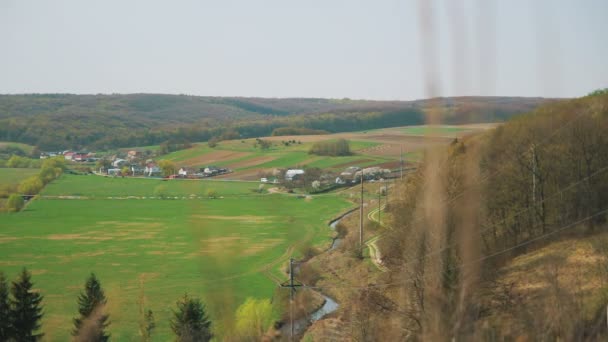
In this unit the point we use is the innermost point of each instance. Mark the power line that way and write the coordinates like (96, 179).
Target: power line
(497, 172)
(527, 242)
(443, 249)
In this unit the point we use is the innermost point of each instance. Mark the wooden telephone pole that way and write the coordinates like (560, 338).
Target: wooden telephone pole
(361, 218)
(293, 286)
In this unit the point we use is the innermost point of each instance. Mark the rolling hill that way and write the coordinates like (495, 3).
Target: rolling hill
(56, 121)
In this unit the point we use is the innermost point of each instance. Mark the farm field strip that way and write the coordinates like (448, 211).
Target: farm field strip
(380, 146)
(9, 176)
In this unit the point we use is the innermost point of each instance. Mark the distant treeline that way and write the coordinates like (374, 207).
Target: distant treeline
(297, 131)
(62, 121)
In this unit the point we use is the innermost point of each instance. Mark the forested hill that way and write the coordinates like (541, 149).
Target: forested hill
(55, 121)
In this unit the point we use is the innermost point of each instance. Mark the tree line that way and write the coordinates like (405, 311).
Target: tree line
(334, 148)
(21, 314)
(50, 169)
(60, 121)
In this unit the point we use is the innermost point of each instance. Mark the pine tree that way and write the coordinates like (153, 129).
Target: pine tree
(4, 309)
(148, 326)
(26, 309)
(91, 324)
(190, 322)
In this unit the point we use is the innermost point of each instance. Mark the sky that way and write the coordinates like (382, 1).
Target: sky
(358, 49)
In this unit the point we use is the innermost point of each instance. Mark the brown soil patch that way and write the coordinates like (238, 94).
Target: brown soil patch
(75, 256)
(163, 253)
(213, 157)
(303, 138)
(259, 247)
(390, 165)
(251, 162)
(246, 175)
(244, 218)
(354, 162)
(392, 145)
(126, 254)
(5, 239)
(38, 272)
(66, 237)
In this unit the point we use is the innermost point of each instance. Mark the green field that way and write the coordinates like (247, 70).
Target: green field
(15, 176)
(153, 251)
(93, 186)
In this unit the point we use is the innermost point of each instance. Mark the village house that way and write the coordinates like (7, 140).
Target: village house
(293, 174)
(81, 156)
(152, 169)
(134, 154)
(119, 163)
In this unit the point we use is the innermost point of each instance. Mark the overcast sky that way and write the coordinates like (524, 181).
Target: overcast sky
(363, 49)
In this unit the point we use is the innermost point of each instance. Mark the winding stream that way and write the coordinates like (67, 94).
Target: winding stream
(329, 304)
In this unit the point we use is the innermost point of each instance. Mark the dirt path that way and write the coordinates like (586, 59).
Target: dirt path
(374, 251)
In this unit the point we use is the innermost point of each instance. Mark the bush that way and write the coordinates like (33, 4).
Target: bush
(18, 162)
(211, 193)
(161, 191)
(15, 202)
(213, 142)
(31, 185)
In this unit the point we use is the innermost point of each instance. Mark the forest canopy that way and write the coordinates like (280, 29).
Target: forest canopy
(63, 121)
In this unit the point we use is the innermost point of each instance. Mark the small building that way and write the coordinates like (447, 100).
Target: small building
(67, 155)
(80, 156)
(119, 162)
(293, 174)
(182, 172)
(113, 172)
(152, 169)
(211, 170)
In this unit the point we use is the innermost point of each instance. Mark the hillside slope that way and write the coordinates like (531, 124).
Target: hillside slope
(501, 236)
(54, 121)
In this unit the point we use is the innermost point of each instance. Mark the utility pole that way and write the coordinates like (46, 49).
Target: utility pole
(379, 202)
(401, 160)
(293, 286)
(361, 218)
(534, 175)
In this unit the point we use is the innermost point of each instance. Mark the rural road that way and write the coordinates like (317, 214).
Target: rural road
(374, 251)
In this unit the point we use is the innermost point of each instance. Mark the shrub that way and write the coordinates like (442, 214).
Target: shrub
(211, 193)
(31, 185)
(15, 202)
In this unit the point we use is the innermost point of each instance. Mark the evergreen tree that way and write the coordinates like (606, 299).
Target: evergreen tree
(4, 309)
(91, 324)
(148, 326)
(190, 322)
(26, 311)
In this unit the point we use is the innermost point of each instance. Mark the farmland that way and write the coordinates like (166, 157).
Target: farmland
(148, 252)
(370, 148)
(14, 176)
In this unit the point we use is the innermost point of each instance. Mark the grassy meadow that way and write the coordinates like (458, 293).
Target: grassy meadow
(149, 252)
(15, 176)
